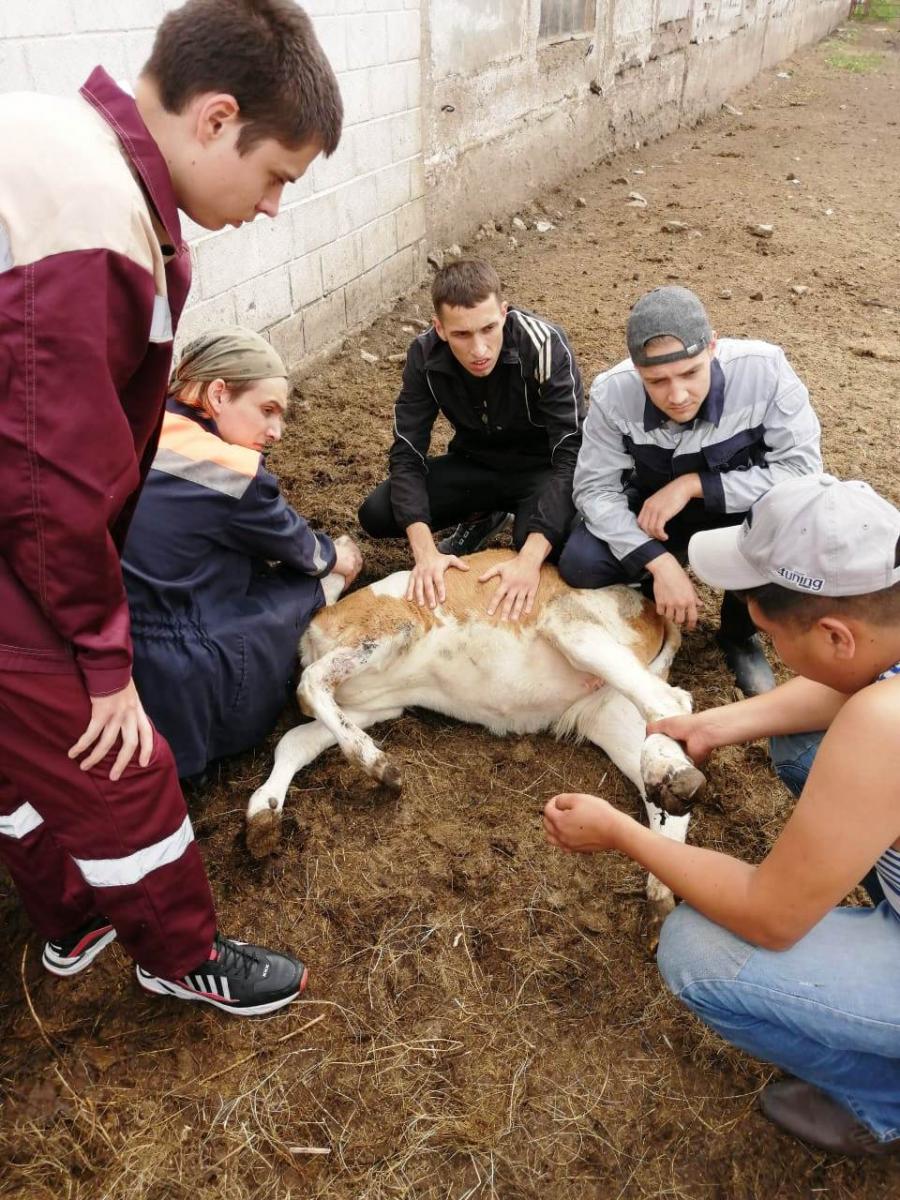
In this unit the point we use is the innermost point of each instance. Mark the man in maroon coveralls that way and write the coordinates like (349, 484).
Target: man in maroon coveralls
(236, 100)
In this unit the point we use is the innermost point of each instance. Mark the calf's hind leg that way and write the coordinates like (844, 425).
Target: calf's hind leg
(299, 747)
(670, 779)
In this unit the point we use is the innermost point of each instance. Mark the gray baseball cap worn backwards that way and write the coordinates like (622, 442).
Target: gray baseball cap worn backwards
(816, 534)
(667, 312)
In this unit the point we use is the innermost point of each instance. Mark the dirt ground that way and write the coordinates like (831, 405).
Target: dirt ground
(484, 1019)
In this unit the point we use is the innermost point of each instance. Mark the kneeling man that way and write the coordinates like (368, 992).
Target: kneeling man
(683, 436)
(508, 383)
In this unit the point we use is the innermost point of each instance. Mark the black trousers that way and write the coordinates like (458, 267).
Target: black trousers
(457, 488)
(588, 562)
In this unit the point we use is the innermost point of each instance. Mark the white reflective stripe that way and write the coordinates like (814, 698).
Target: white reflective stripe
(20, 823)
(161, 323)
(6, 258)
(120, 872)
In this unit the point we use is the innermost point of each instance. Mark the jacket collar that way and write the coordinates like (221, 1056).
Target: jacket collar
(193, 414)
(120, 111)
(710, 410)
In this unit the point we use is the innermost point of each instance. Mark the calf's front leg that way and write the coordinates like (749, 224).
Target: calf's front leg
(299, 747)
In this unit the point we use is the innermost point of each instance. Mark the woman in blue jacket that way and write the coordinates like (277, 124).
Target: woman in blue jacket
(222, 574)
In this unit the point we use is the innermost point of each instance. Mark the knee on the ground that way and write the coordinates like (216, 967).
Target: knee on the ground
(693, 949)
(376, 516)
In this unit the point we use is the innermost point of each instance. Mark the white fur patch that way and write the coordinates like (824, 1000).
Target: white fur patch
(395, 585)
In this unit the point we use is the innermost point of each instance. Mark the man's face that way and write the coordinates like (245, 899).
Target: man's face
(474, 335)
(219, 186)
(678, 388)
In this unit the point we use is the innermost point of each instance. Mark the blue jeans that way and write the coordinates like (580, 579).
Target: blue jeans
(825, 1010)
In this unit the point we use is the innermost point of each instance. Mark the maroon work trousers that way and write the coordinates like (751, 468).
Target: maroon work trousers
(77, 844)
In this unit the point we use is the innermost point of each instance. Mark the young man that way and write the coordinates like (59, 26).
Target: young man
(762, 954)
(684, 435)
(508, 383)
(236, 99)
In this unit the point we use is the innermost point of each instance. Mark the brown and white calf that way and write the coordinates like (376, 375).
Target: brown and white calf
(591, 664)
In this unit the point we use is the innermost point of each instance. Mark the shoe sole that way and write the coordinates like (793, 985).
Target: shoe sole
(167, 987)
(64, 966)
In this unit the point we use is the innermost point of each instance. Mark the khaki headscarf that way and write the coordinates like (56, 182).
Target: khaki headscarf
(230, 353)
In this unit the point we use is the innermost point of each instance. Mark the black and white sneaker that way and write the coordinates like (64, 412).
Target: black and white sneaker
(72, 954)
(238, 977)
(473, 535)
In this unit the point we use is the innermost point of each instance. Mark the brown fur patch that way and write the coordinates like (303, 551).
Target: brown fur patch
(364, 614)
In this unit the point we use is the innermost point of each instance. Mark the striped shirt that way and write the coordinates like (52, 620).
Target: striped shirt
(888, 866)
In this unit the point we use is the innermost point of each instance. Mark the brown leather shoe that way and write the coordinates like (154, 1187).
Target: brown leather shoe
(811, 1115)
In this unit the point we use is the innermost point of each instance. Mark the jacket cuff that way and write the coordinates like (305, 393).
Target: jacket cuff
(635, 562)
(713, 492)
(104, 681)
(331, 557)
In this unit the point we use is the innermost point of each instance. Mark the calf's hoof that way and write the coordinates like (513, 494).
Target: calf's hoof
(263, 834)
(677, 793)
(391, 778)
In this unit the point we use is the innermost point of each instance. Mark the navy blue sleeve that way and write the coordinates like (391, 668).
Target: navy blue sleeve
(264, 525)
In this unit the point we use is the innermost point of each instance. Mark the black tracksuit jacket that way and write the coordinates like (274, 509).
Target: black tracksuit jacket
(526, 416)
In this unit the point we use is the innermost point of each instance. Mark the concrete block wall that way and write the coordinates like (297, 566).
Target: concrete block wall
(456, 110)
(511, 113)
(350, 235)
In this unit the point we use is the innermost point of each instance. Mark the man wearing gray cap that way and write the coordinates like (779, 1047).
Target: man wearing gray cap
(684, 435)
(766, 954)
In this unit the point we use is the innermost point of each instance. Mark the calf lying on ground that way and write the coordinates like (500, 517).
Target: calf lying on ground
(586, 663)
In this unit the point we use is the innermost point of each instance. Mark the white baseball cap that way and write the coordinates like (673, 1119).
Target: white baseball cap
(816, 534)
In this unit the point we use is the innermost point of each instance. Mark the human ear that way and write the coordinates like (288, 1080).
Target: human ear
(841, 639)
(438, 327)
(215, 112)
(216, 395)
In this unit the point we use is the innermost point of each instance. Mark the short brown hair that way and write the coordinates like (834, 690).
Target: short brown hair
(465, 283)
(264, 53)
(801, 610)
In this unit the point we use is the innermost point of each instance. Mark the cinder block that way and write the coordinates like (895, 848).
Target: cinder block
(367, 40)
(14, 73)
(393, 187)
(362, 298)
(398, 275)
(416, 177)
(306, 280)
(356, 203)
(389, 89)
(289, 339)
(315, 224)
(36, 18)
(264, 299)
(404, 36)
(372, 146)
(328, 173)
(332, 33)
(138, 44)
(341, 262)
(226, 260)
(410, 223)
(355, 92)
(379, 241)
(274, 240)
(406, 134)
(61, 65)
(116, 15)
(197, 318)
(325, 322)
